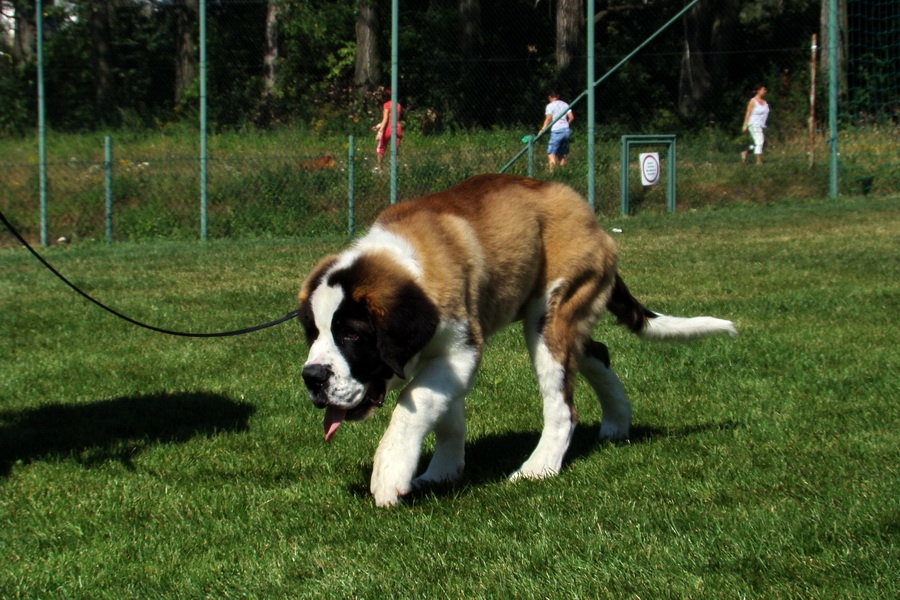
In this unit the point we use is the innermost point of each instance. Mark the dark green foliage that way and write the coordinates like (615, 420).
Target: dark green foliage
(141, 49)
(15, 97)
(501, 81)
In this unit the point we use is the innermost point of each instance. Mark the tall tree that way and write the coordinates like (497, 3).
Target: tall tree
(569, 38)
(471, 82)
(186, 60)
(368, 59)
(24, 49)
(708, 30)
(270, 58)
(98, 22)
(470, 36)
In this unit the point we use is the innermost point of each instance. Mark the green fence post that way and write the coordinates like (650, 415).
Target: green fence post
(203, 157)
(591, 120)
(42, 123)
(531, 156)
(107, 168)
(351, 202)
(395, 53)
(832, 98)
(670, 193)
(623, 176)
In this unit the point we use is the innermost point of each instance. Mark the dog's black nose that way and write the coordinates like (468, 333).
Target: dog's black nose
(315, 377)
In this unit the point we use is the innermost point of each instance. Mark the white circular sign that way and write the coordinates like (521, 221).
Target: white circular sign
(649, 168)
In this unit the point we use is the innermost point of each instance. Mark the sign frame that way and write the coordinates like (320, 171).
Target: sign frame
(667, 140)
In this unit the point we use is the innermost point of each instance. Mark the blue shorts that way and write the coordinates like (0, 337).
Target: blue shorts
(559, 143)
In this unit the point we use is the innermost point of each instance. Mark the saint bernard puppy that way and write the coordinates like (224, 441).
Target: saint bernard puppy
(413, 301)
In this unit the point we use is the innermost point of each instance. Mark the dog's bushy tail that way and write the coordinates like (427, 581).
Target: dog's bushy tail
(653, 326)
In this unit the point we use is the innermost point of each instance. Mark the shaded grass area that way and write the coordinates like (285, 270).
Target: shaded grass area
(138, 465)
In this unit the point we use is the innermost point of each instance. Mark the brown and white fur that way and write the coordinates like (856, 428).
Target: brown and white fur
(412, 302)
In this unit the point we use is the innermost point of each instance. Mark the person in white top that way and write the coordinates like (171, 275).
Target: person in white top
(558, 146)
(755, 123)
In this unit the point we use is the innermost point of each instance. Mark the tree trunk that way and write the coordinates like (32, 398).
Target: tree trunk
(569, 38)
(103, 84)
(24, 49)
(270, 60)
(708, 30)
(473, 86)
(470, 38)
(186, 61)
(368, 59)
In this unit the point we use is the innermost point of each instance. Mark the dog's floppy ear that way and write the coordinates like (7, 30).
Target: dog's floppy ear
(404, 324)
(306, 290)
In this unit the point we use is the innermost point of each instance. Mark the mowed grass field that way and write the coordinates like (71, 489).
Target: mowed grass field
(138, 465)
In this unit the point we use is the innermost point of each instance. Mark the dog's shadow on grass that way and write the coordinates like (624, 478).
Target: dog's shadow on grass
(494, 458)
(114, 430)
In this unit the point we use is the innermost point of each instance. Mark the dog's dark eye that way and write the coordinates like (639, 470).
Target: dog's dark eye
(350, 331)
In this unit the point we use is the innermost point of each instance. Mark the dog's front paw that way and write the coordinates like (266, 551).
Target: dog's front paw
(386, 499)
(387, 487)
(388, 495)
(526, 472)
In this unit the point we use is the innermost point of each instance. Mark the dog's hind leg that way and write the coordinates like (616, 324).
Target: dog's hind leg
(594, 365)
(555, 374)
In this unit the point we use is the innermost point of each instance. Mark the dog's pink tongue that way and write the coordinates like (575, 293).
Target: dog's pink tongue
(334, 416)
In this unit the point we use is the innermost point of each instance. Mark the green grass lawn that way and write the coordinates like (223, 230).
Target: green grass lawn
(136, 465)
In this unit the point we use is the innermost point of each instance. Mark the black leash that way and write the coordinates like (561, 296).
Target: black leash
(84, 295)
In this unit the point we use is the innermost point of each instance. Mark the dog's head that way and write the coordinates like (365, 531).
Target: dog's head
(365, 318)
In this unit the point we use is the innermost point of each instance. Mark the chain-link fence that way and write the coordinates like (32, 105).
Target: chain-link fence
(287, 92)
(870, 110)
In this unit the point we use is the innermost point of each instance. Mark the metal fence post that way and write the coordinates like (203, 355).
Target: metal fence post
(591, 102)
(203, 157)
(671, 174)
(42, 123)
(395, 81)
(531, 156)
(107, 168)
(351, 202)
(623, 176)
(832, 98)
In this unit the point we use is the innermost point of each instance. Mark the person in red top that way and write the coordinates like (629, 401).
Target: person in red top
(384, 128)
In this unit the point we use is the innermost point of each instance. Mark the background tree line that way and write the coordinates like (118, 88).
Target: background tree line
(463, 63)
